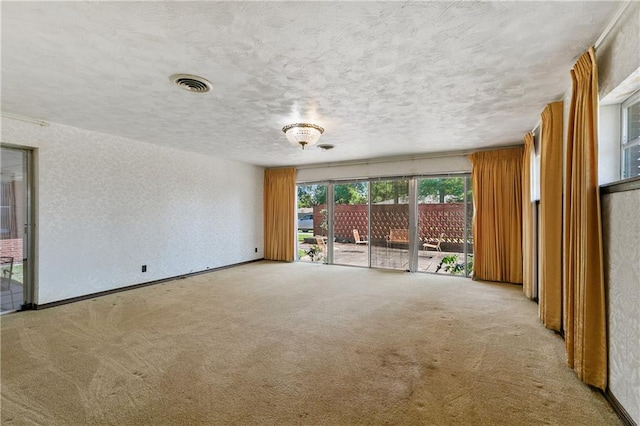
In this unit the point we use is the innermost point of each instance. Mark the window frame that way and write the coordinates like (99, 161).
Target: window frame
(624, 143)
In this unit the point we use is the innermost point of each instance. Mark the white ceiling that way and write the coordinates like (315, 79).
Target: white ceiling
(383, 78)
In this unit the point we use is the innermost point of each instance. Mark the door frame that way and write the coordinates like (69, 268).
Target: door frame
(413, 219)
(30, 232)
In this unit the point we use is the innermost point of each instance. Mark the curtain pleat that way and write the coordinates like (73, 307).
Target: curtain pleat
(528, 266)
(279, 214)
(584, 300)
(550, 253)
(497, 227)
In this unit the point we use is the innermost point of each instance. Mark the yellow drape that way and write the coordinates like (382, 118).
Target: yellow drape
(584, 300)
(497, 223)
(528, 265)
(279, 213)
(550, 253)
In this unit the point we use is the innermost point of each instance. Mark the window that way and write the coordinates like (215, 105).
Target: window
(630, 148)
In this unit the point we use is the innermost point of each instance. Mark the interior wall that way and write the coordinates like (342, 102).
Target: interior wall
(621, 230)
(618, 62)
(378, 168)
(618, 56)
(108, 205)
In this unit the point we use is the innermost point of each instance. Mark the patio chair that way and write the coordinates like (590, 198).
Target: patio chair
(322, 243)
(397, 236)
(6, 263)
(357, 239)
(435, 244)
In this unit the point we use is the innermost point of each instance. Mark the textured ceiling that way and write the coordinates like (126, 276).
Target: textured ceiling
(384, 78)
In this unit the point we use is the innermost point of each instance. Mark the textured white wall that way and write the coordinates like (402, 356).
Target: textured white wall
(618, 61)
(618, 77)
(621, 233)
(435, 165)
(619, 56)
(108, 205)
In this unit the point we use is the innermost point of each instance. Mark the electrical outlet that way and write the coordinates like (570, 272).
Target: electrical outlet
(144, 268)
(256, 249)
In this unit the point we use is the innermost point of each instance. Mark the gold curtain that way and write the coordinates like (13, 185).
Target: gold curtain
(497, 222)
(527, 219)
(550, 253)
(279, 214)
(584, 299)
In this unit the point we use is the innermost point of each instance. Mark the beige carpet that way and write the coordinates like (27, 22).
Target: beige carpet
(282, 343)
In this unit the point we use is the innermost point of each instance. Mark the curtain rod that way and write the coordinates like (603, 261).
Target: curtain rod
(414, 157)
(536, 127)
(24, 118)
(611, 24)
(343, 181)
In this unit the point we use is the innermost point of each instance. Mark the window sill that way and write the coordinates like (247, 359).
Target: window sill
(630, 184)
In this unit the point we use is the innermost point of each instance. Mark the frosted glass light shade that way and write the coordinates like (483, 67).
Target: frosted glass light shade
(302, 133)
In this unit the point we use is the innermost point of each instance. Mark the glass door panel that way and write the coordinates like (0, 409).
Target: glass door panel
(351, 224)
(13, 226)
(443, 225)
(312, 223)
(469, 226)
(390, 224)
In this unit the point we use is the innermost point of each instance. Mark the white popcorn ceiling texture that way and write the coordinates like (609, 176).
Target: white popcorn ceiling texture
(383, 78)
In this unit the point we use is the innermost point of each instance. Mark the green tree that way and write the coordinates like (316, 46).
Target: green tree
(351, 193)
(304, 197)
(312, 195)
(442, 190)
(449, 190)
(386, 190)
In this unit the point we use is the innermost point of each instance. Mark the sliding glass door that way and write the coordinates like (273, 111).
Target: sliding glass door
(15, 230)
(390, 224)
(469, 212)
(351, 224)
(414, 224)
(445, 213)
(312, 226)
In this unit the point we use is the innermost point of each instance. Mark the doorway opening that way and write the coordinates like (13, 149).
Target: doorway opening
(16, 224)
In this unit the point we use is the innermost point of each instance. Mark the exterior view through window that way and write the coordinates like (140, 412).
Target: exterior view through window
(312, 223)
(631, 137)
(390, 224)
(15, 229)
(351, 224)
(445, 214)
(369, 223)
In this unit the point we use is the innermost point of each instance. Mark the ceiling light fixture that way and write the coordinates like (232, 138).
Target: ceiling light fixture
(303, 133)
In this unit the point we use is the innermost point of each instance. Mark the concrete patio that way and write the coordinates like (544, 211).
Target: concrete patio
(381, 257)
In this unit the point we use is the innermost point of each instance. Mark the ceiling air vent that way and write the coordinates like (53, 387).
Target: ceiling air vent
(191, 83)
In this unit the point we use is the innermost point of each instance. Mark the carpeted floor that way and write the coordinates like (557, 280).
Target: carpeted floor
(294, 343)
